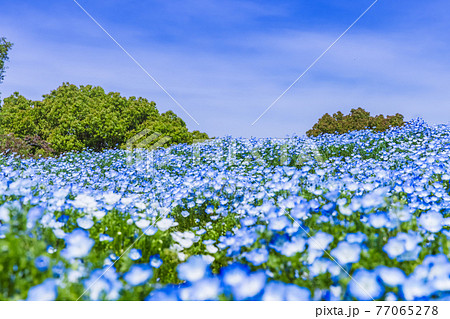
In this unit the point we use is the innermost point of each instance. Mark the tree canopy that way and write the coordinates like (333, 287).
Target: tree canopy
(5, 46)
(358, 119)
(73, 118)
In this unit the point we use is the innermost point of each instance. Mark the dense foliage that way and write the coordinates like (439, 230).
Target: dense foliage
(233, 219)
(73, 118)
(358, 119)
(29, 146)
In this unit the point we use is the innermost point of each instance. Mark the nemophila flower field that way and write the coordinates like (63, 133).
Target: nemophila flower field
(233, 219)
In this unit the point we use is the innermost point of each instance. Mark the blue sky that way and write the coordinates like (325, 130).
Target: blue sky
(227, 61)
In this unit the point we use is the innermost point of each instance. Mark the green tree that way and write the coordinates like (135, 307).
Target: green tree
(358, 119)
(5, 46)
(16, 116)
(75, 118)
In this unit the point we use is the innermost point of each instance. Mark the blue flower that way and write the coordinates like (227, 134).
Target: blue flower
(203, 289)
(185, 213)
(103, 284)
(194, 269)
(78, 244)
(290, 248)
(279, 223)
(403, 247)
(364, 285)
(390, 296)
(42, 263)
(280, 291)
(85, 222)
(296, 293)
(333, 294)
(256, 193)
(63, 219)
(84, 201)
(58, 269)
(323, 265)
(357, 238)
(234, 274)
(257, 256)
(4, 213)
(138, 274)
(320, 241)
(47, 291)
(135, 254)
(248, 221)
(372, 200)
(168, 293)
(346, 253)
(391, 276)
(155, 261)
(50, 249)
(403, 215)
(431, 221)
(33, 215)
(165, 223)
(274, 291)
(378, 220)
(394, 247)
(250, 287)
(105, 237)
(415, 289)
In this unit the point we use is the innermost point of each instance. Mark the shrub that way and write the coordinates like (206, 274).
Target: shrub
(29, 146)
(358, 119)
(73, 118)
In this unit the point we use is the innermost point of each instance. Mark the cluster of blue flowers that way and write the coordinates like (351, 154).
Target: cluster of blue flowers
(359, 216)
